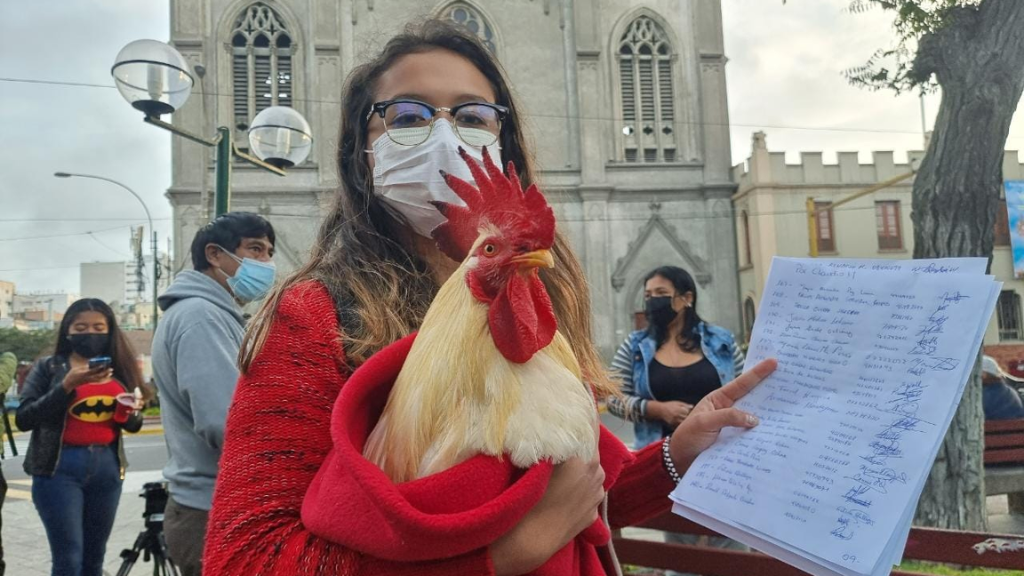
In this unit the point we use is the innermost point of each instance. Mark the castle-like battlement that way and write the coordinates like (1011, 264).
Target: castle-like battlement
(764, 167)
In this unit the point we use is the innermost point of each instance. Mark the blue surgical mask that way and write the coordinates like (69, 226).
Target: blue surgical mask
(253, 279)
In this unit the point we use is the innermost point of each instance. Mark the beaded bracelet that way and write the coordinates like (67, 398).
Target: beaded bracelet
(670, 466)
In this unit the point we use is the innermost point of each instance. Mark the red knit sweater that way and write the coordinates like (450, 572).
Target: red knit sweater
(278, 435)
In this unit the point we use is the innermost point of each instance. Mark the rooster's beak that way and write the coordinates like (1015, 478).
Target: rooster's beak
(535, 259)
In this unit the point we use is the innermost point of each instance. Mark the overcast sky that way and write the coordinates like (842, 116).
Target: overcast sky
(784, 77)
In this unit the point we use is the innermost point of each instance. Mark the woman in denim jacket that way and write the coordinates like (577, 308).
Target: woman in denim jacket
(667, 368)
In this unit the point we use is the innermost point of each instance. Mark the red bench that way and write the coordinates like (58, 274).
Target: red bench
(1004, 461)
(925, 544)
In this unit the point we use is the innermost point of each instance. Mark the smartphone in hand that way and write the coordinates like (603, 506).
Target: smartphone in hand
(100, 362)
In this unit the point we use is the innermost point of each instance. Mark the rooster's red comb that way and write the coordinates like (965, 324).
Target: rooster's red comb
(497, 200)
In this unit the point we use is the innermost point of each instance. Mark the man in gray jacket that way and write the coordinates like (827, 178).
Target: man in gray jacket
(195, 352)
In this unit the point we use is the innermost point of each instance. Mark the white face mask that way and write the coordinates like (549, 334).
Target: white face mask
(407, 178)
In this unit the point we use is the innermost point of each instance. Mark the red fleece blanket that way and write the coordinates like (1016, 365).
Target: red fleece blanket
(462, 509)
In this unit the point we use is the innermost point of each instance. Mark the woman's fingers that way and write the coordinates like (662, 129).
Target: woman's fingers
(100, 374)
(700, 428)
(746, 382)
(718, 419)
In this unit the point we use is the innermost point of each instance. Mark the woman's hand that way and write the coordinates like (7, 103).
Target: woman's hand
(83, 375)
(700, 429)
(570, 505)
(672, 413)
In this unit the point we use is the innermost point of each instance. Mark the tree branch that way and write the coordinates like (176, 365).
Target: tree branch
(926, 61)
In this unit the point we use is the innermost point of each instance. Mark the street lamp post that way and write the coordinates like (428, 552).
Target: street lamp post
(156, 259)
(155, 79)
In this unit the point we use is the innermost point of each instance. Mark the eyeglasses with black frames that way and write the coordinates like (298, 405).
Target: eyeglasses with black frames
(409, 122)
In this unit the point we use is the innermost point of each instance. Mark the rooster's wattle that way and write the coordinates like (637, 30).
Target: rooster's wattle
(488, 372)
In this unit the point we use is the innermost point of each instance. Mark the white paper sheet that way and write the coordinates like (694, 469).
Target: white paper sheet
(932, 266)
(873, 358)
(938, 266)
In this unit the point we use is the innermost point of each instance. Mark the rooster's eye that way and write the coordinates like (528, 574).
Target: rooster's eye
(490, 249)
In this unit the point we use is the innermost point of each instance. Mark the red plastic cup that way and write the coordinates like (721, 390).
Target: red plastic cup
(124, 408)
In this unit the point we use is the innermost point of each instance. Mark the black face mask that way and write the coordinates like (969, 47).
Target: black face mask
(90, 345)
(659, 312)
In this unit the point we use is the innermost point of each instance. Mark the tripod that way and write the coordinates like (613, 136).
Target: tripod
(150, 542)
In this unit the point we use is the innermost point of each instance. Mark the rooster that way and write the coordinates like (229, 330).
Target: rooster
(488, 372)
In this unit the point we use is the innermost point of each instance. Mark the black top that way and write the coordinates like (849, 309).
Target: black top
(687, 384)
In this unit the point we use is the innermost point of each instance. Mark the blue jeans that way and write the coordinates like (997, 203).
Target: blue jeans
(77, 505)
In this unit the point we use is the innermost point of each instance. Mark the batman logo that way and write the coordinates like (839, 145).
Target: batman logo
(93, 409)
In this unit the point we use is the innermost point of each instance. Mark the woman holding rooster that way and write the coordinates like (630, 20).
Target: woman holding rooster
(373, 273)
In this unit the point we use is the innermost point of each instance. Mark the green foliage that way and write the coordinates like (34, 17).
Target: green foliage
(914, 18)
(893, 68)
(908, 566)
(27, 345)
(952, 570)
(630, 570)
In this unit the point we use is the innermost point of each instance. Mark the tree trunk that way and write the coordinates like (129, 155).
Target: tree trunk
(978, 59)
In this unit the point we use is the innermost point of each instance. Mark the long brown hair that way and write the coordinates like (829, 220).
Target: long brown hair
(380, 286)
(122, 355)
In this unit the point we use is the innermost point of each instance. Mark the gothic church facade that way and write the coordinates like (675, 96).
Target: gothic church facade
(625, 104)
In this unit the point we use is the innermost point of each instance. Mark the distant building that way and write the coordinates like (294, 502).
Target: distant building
(142, 344)
(133, 293)
(122, 284)
(6, 300)
(137, 316)
(41, 310)
(105, 281)
(625, 102)
(771, 220)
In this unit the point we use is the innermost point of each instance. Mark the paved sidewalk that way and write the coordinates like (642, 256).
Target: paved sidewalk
(1000, 521)
(27, 552)
(25, 547)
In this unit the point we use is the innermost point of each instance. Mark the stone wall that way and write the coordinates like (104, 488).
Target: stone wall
(772, 197)
(562, 60)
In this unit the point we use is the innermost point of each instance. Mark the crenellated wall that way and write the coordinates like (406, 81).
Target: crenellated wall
(770, 209)
(766, 167)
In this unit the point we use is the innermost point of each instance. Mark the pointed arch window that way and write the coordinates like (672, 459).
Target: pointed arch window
(261, 62)
(647, 93)
(747, 252)
(749, 316)
(465, 15)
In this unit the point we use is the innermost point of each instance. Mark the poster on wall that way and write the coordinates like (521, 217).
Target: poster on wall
(1015, 221)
